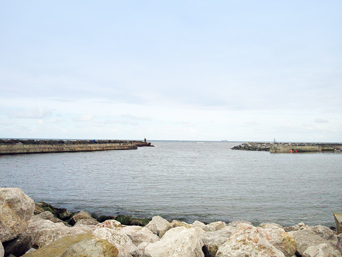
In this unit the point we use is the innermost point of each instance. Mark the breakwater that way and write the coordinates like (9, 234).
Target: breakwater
(28, 146)
(289, 147)
(32, 229)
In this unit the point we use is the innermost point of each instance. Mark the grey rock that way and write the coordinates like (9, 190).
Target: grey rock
(237, 222)
(16, 209)
(339, 243)
(157, 224)
(214, 239)
(18, 246)
(179, 241)
(308, 238)
(248, 240)
(2, 252)
(85, 245)
(121, 241)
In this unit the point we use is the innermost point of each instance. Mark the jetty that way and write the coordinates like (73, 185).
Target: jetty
(31, 146)
(277, 147)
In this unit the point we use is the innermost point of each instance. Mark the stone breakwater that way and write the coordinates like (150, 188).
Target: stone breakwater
(25, 146)
(37, 229)
(289, 147)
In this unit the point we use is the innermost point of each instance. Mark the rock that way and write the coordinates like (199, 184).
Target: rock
(214, 226)
(45, 207)
(139, 222)
(157, 224)
(321, 250)
(307, 238)
(141, 249)
(46, 215)
(121, 241)
(112, 224)
(2, 252)
(237, 222)
(251, 241)
(213, 239)
(16, 209)
(103, 218)
(326, 233)
(198, 224)
(83, 215)
(123, 219)
(174, 224)
(65, 215)
(38, 210)
(299, 226)
(271, 226)
(87, 222)
(339, 243)
(60, 213)
(277, 236)
(139, 235)
(18, 246)
(43, 232)
(85, 245)
(177, 242)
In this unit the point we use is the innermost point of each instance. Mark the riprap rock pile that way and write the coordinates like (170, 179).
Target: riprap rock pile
(44, 234)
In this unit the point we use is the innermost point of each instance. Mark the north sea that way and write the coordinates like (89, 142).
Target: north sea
(205, 181)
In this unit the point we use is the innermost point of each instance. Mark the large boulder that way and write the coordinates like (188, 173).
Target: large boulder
(339, 243)
(326, 233)
(121, 241)
(112, 224)
(60, 213)
(85, 245)
(214, 226)
(46, 215)
(214, 239)
(16, 208)
(139, 234)
(18, 246)
(308, 238)
(174, 224)
(2, 252)
(277, 236)
(321, 250)
(157, 225)
(43, 232)
(256, 241)
(177, 242)
(84, 218)
(299, 226)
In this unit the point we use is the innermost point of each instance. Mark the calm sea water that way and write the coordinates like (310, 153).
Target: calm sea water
(189, 181)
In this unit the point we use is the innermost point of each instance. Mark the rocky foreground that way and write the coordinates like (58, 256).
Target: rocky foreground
(29, 229)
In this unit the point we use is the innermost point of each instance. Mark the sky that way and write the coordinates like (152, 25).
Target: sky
(171, 70)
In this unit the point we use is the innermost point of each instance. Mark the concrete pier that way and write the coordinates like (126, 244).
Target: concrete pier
(304, 147)
(28, 146)
(289, 147)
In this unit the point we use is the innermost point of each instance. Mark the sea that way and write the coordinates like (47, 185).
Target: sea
(188, 181)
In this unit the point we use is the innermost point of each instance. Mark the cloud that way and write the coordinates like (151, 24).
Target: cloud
(320, 120)
(33, 113)
(84, 118)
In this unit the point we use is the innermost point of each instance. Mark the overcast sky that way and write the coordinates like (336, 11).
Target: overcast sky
(177, 70)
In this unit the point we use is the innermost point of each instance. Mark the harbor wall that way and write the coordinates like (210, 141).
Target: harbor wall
(288, 148)
(55, 148)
